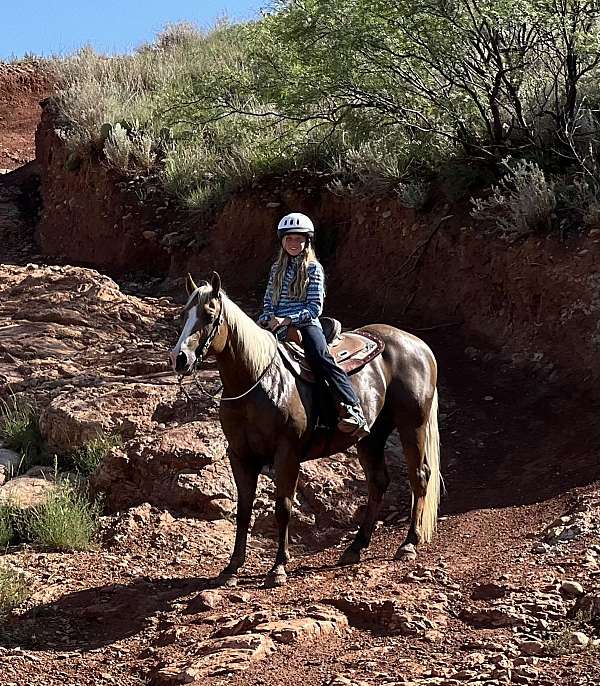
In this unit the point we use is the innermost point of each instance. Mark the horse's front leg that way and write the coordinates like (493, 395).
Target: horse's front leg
(245, 473)
(287, 467)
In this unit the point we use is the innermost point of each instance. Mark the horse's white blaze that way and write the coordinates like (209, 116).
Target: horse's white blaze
(182, 343)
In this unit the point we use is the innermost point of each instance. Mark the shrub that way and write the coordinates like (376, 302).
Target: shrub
(522, 202)
(87, 458)
(66, 521)
(117, 147)
(413, 194)
(20, 429)
(13, 588)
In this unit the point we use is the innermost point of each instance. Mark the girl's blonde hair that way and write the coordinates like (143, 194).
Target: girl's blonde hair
(300, 283)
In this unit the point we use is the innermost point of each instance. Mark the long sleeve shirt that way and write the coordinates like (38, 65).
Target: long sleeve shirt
(300, 312)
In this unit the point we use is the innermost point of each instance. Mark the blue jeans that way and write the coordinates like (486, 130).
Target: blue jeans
(324, 366)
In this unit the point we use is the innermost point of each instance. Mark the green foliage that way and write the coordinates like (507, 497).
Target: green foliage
(13, 588)
(87, 458)
(382, 94)
(66, 521)
(20, 429)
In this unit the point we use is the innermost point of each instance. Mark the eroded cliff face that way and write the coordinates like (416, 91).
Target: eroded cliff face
(22, 86)
(91, 215)
(534, 300)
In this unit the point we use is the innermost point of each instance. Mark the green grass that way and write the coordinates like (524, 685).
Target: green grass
(20, 430)
(87, 458)
(66, 521)
(7, 526)
(13, 588)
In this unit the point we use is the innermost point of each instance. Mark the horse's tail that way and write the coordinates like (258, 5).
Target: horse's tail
(432, 456)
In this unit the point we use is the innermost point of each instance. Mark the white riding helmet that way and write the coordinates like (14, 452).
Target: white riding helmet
(295, 223)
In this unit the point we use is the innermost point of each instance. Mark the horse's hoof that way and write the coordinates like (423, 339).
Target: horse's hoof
(276, 577)
(406, 552)
(227, 579)
(349, 557)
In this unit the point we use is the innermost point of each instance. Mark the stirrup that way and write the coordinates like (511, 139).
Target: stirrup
(353, 422)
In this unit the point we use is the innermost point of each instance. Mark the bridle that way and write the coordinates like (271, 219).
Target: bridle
(216, 325)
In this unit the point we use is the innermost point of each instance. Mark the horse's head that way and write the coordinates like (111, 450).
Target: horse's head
(202, 317)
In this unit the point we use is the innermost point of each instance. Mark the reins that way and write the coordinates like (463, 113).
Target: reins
(200, 358)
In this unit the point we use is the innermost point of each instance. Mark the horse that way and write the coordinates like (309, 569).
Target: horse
(268, 416)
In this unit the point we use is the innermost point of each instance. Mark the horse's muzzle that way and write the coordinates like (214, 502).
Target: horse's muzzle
(179, 362)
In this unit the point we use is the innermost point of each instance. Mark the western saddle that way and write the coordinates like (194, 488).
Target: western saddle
(351, 350)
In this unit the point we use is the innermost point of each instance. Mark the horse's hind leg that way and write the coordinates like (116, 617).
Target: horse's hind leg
(245, 473)
(370, 454)
(413, 445)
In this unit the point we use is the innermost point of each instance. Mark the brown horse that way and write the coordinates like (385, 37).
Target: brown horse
(268, 417)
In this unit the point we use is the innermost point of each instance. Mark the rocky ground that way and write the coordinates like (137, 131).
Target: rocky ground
(508, 592)
(493, 600)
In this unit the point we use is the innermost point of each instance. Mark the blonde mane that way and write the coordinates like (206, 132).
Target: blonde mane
(254, 345)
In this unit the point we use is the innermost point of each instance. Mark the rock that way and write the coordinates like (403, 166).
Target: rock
(540, 548)
(464, 674)
(215, 657)
(240, 597)
(318, 622)
(10, 460)
(150, 235)
(229, 626)
(578, 640)
(183, 468)
(341, 680)
(491, 617)
(532, 647)
(587, 608)
(26, 491)
(571, 589)
(563, 533)
(524, 674)
(205, 600)
(382, 614)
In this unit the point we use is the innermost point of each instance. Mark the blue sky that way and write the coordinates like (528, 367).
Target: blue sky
(50, 27)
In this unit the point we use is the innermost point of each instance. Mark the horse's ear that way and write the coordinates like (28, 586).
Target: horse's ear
(216, 285)
(190, 286)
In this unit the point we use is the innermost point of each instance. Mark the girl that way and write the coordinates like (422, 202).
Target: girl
(295, 295)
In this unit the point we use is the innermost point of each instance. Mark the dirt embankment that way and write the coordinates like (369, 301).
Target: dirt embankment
(22, 86)
(535, 300)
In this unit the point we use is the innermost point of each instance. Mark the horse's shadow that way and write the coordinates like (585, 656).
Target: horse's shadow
(97, 617)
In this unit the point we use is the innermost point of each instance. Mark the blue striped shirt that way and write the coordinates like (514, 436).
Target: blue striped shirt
(300, 312)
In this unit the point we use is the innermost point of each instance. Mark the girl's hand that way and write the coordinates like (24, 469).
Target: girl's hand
(277, 322)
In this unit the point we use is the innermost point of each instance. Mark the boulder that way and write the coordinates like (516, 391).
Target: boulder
(9, 461)
(26, 491)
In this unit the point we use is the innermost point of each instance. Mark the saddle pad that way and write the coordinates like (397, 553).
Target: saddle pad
(351, 352)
